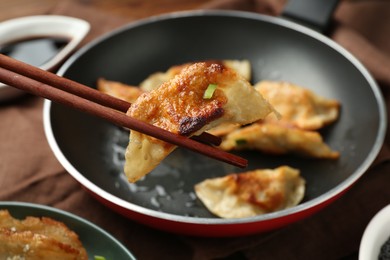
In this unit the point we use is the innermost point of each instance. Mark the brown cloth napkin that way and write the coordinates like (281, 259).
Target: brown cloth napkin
(30, 172)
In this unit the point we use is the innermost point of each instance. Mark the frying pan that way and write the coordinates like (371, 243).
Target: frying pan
(92, 150)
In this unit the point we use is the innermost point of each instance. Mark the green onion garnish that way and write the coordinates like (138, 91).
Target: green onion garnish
(98, 257)
(241, 142)
(209, 91)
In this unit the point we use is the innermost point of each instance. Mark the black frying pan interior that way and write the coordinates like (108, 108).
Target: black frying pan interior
(277, 51)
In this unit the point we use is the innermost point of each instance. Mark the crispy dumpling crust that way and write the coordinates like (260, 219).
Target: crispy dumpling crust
(154, 80)
(178, 106)
(242, 67)
(252, 193)
(274, 138)
(38, 238)
(298, 106)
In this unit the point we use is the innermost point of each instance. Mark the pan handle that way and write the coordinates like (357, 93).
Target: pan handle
(315, 14)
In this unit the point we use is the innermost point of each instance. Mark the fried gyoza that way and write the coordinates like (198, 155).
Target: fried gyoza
(223, 129)
(179, 106)
(119, 90)
(242, 67)
(275, 138)
(130, 93)
(252, 193)
(38, 238)
(298, 106)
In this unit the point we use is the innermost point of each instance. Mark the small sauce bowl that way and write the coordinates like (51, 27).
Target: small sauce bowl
(19, 32)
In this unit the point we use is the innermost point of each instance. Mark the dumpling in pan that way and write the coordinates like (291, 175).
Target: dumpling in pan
(252, 193)
(242, 67)
(183, 105)
(223, 129)
(119, 90)
(274, 138)
(298, 106)
(155, 79)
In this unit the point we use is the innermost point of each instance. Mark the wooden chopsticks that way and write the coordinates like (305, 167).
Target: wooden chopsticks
(70, 93)
(80, 90)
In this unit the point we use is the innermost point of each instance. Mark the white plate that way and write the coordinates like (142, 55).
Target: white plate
(42, 26)
(376, 234)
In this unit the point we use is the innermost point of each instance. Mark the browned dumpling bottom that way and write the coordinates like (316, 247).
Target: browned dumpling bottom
(252, 193)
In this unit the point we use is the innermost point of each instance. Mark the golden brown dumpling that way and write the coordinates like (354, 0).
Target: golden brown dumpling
(223, 129)
(179, 107)
(252, 193)
(274, 138)
(155, 79)
(298, 106)
(242, 67)
(119, 90)
(38, 238)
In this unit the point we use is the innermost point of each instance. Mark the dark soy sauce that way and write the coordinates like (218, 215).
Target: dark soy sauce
(34, 51)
